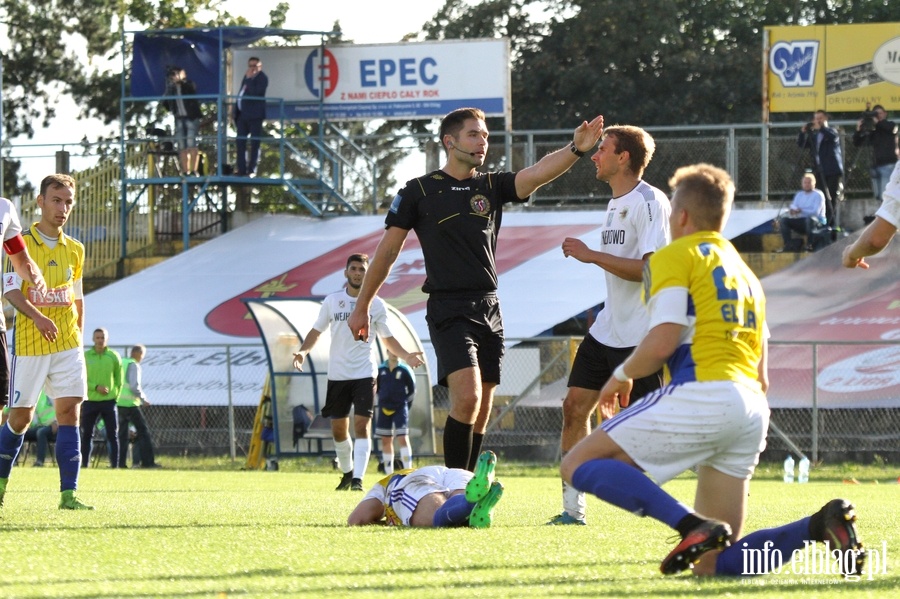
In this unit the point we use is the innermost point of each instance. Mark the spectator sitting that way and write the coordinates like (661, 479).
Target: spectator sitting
(805, 214)
(43, 429)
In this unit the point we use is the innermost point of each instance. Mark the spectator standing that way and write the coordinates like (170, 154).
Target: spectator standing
(48, 341)
(104, 375)
(128, 405)
(824, 145)
(187, 119)
(876, 130)
(249, 113)
(396, 391)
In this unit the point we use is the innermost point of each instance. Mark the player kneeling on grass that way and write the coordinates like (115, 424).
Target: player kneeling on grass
(707, 325)
(433, 496)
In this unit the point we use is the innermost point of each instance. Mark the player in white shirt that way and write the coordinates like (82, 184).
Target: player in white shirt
(880, 231)
(433, 496)
(24, 266)
(352, 369)
(636, 226)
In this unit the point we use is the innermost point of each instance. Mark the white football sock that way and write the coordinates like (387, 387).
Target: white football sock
(362, 449)
(344, 451)
(406, 455)
(388, 460)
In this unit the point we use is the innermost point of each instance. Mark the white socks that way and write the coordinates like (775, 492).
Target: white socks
(574, 502)
(362, 449)
(344, 451)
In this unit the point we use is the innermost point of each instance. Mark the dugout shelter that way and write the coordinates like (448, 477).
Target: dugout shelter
(283, 323)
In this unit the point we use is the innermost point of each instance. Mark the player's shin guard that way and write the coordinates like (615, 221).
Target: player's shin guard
(627, 487)
(68, 456)
(10, 444)
(454, 512)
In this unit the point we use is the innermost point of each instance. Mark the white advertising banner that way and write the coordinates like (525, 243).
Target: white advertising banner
(201, 375)
(386, 81)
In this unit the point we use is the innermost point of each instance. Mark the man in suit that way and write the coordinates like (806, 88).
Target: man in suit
(249, 112)
(824, 143)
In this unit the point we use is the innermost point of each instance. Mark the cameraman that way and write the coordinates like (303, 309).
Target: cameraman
(875, 130)
(824, 144)
(187, 118)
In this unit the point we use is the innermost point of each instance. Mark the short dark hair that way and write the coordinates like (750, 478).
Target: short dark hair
(57, 180)
(256, 58)
(638, 143)
(453, 122)
(364, 258)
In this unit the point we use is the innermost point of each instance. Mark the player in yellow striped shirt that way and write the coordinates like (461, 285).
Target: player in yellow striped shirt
(48, 339)
(707, 326)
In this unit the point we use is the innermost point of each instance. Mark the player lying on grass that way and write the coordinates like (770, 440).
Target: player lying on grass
(433, 496)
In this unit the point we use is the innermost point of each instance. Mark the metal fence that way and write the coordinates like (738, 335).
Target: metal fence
(527, 425)
(189, 417)
(764, 160)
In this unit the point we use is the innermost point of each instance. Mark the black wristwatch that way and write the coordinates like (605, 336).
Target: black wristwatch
(575, 150)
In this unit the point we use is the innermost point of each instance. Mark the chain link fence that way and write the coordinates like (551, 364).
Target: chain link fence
(764, 161)
(832, 402)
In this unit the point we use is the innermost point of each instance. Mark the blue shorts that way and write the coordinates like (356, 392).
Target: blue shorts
(396, 423)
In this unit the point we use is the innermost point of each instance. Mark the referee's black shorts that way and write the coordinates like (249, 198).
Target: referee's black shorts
(594, 364)
(466, 331)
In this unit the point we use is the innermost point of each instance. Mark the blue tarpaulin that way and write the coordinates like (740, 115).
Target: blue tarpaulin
(198, 51)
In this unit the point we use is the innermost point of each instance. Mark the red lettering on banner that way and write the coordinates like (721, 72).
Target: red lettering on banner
(402, 289)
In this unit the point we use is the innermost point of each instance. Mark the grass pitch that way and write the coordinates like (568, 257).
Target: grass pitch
(217, 532)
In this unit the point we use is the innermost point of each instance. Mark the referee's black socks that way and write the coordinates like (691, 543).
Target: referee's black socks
(457, 443)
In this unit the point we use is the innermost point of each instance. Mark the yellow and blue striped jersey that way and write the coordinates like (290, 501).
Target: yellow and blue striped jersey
(62, 267)
(701, 282)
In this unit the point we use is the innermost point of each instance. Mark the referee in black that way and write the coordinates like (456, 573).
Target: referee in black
(456, 213)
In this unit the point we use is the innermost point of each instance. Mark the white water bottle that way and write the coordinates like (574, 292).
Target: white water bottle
(803, 471)
(789, 469)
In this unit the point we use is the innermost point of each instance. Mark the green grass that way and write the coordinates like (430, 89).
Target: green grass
(217, 532)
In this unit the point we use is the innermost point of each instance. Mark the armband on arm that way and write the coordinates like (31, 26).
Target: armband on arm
(14, 245)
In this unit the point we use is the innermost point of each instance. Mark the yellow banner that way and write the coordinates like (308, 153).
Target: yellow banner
(839, 68)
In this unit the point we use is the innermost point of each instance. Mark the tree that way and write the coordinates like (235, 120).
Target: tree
(74, 47)
(654, 62)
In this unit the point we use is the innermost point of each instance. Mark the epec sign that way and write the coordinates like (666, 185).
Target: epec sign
(389, 81)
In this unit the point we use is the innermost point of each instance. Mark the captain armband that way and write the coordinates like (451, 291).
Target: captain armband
(14, 245)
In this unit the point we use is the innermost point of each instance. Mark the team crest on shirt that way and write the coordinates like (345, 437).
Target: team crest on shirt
(623, 213)
(480, 204)
(342, 304)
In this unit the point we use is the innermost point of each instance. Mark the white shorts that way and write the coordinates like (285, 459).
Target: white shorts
(60, 375)
(719, 424)
(401, 498)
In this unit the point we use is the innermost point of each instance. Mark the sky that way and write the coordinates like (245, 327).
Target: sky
(362, 21)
